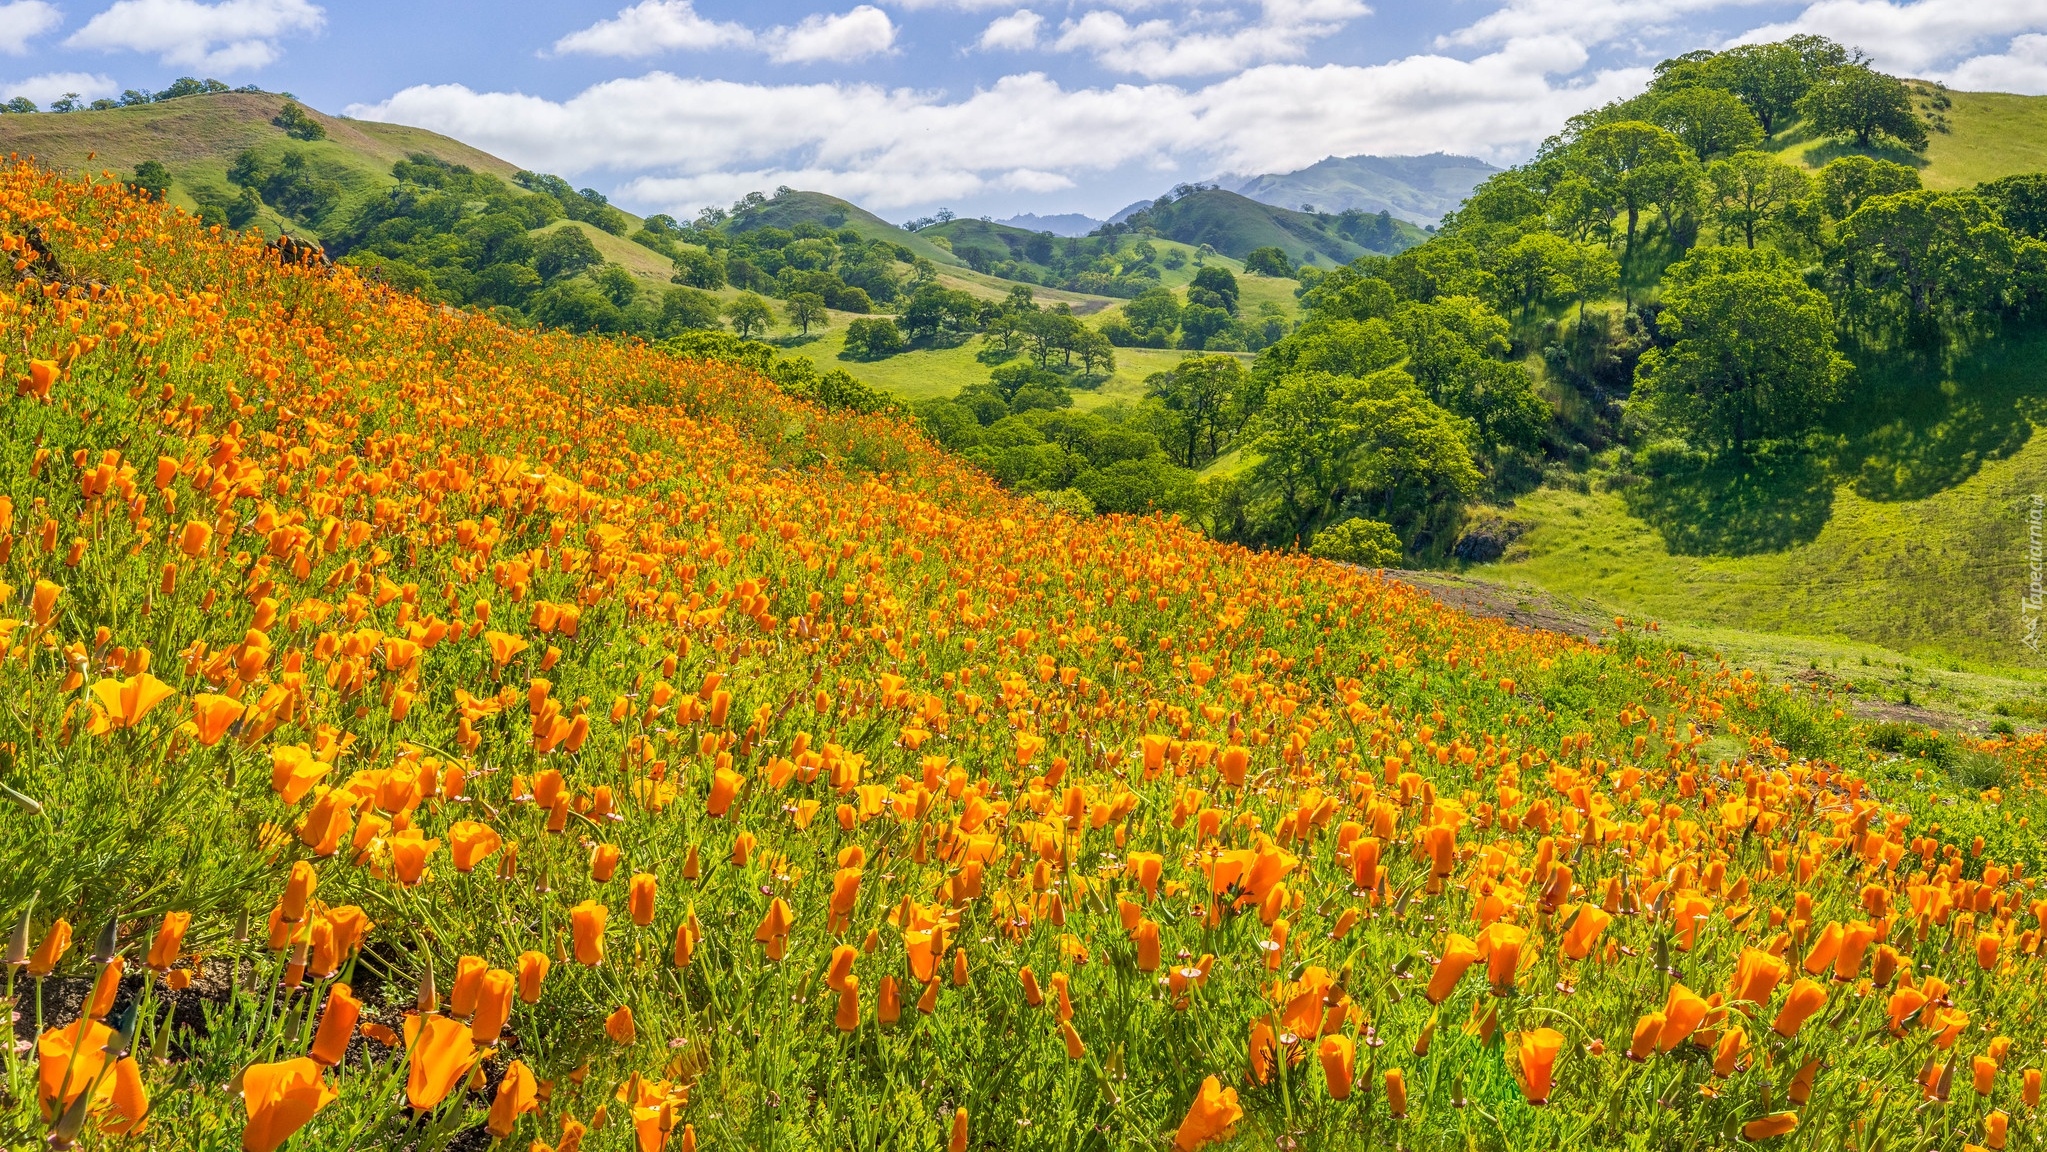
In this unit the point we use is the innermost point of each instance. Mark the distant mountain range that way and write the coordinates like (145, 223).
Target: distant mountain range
(1062, 224)
(1418, 189)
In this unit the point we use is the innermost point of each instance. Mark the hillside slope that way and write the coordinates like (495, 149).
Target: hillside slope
(198, 137)
(1988, 135)
(1418, 189)
(1234, 225)
(792, 208)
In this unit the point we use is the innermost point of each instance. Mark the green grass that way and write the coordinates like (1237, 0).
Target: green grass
(197, 137)
(793, 208)
(1907, 532)
(1990, 135)
(1234, 225)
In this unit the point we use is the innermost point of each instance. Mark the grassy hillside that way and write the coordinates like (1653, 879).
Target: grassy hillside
(1989, 135)
(197, 137)
(1234, 225)
(1417, 189)
(766, 754)
(1909, 532)
(793, 208)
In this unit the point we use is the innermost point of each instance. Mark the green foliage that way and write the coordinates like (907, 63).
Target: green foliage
(1752, 356)
(749, 315)
(1206, 399)
(587, 205)
(1753, 192)
(1268, 261)
(1847, 181)
(1235, 226)
(292, 186)
(151, 177)
(872, 339)
(807, 310)
(699, 268)
(297, 124)
(2021, 203)
(1710, 121)
(1857, 101)
(1369, 543)
(1925, 258)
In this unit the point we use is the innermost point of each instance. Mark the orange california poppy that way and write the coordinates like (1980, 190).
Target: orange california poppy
(213, 715)
(169, 941)
(518, 1094)
(471, 842)
(337, 1026)
(123, 703)
(1210, 1117)
(439, 1053)
(586, 922)
(280, 1098)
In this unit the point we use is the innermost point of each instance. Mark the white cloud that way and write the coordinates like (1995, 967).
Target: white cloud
(653, 27)
(1160, 48)
(24, 20)
(1589, 22)
(2020, 68)
(230, 36)
(1913, 38)
(53, 86)
(677, 143)
(865, 31)
(1016, 32)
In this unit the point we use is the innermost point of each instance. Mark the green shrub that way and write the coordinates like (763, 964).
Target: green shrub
(1370, 543)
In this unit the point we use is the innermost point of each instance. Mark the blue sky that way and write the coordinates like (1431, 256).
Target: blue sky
(983, 106)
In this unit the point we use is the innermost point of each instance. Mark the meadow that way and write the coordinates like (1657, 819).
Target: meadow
(426, 734)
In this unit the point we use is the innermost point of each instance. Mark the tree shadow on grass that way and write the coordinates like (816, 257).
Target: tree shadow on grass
(1918, 422)
(1777, 498)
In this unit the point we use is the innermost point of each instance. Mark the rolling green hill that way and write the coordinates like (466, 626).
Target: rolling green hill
(1234, 225)
(792, 208)
(1978, 136)
(198, 137)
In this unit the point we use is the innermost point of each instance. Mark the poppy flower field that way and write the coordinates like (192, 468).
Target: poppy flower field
(421, 733)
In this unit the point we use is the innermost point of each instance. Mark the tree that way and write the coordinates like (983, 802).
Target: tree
(565, 251)
(1331, 447)
(297, 124)
(1535, 269)
(617, 284)
(749, 314)
(1943, 255)
(1366, 543)
(1202, 396)
(1709, 121)
(1214, 287)
(151, 179)
(1631, 163)
(699, 268)
(1752, 190)
(1848, 181)
(806, 309)
(1857, 100)
(1096, 353)
(1752, 352)
(687, 309)
(1769, 79)
(1268, 261)
(2021, 202)
(1455, 347)
(1153, 316)
(874, 338)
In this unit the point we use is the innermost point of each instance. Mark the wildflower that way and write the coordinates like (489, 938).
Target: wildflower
(280, 1099)
(1459, 954)
(619, 1026)
(337, 1025)
(169, 941)
(56, 942)
(518, 1094)
(1210, 1117)
(958, 1143)
(123, 703)
(212, 716)
(294, 771)
(1337, 1054)
(493, 1006)
(1775, 1124)
(533, 968)
(1537, 1064)
(1804, 999)
(586, 921)
(438, 1054)
(471, 842)
(69, 1061)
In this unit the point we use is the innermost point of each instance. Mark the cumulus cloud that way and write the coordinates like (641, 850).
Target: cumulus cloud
(1915, 37)
(1016, 32)
(690, 141)
(653, 27)
(865, 31)
(53, 86)
(230, 36)
(24, 20)
(1161, 48)
(2022, 67)
(1589, 22)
